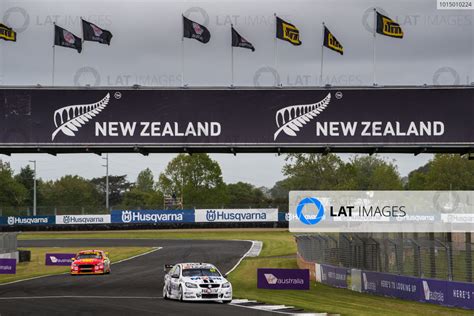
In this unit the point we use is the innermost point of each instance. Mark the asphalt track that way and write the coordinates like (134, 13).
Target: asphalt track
(133, 288)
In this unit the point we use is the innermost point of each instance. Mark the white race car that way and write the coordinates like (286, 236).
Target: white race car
(196, 282)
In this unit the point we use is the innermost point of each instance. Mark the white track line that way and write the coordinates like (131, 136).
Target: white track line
(245, 255)
(75, 296)
(278, 312)
(50, 275)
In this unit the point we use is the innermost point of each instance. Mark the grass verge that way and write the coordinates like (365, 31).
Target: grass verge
(278, 245)
(36, 267)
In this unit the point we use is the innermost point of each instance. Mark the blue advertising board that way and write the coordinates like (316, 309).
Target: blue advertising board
(334, 276)
(152, 216)
(27, 220)
(446, 293)
(7, 266)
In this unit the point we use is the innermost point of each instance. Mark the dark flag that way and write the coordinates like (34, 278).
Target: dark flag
(7, 33)
(65, 38)
(195, 30)
(388, 27)
(94, 33)
(239, 41)
(331, 42)
(287, 32)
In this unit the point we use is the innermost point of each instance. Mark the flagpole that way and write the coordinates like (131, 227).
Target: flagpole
(54, 55)
(232, 56)
(275, 50)
(322, 59)
(375, 36)
(182, 51)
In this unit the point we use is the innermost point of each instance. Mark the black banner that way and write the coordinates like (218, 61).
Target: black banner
(256, 119)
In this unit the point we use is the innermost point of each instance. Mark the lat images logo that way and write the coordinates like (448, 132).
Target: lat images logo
(292, 118)
(70, 118)
(271, 279)
(310, 211)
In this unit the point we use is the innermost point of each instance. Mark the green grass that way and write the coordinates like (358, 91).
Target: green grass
(277, 242)
(36, 267)
(277, 245)
(322, 298)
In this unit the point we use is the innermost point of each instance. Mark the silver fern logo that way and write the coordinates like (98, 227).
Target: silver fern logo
(292, 118)
(70, 118)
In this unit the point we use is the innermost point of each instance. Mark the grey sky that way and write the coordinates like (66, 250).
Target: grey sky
(146, 50)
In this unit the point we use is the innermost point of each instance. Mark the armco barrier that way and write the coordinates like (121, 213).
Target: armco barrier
(150, 219)
(82, 219)
(152, 216)
(334, 276)
(27, 220)
(236, 215)
(446, 293)
(441, 292)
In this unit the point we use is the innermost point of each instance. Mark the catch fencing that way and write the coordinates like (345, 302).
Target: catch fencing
(422, 255)
(8, 243)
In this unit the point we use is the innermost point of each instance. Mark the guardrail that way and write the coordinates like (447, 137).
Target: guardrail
(325, 257)
(123, 219)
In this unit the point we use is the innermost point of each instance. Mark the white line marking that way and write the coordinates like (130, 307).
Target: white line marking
(137, 256)
(76, 296)
(254, 243)
(50, 275)
(261, 308)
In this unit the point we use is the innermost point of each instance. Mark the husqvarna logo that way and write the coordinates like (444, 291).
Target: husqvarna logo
(211, 216)
(126, 216)
(11, 220)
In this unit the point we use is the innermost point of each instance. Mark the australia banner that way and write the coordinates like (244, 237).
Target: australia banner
(59, 259)
(242, 119)
(283, 279)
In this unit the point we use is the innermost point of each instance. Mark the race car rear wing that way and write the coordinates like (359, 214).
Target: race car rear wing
(168, 267)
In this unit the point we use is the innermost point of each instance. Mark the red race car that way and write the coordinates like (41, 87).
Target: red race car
(90, 262)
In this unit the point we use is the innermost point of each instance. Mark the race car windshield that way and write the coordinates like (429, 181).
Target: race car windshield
(89, 256)
(200, 272)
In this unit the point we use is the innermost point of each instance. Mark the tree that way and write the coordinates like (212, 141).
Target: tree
(12, 193)
(145, 181)
(444, 172)
(197, 178)
(26, 178)
(372, 173)
(242, 194)
(118, 185)
(314, 172)
(144, 200)
(74, 192)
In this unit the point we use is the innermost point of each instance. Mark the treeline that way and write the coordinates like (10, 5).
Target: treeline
(198, 180)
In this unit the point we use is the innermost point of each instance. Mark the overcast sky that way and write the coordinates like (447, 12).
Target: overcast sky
(438, 48)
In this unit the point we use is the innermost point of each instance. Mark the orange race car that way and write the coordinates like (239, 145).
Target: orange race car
(90, 262)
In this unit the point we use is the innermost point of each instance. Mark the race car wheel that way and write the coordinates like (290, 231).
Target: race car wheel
(165, 293)
(227, 301)
(181, 295)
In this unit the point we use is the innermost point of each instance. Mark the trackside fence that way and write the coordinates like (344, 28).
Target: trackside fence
(420, 268)
(403, 255)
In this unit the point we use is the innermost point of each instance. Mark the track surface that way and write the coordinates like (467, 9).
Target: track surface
(133, 288)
